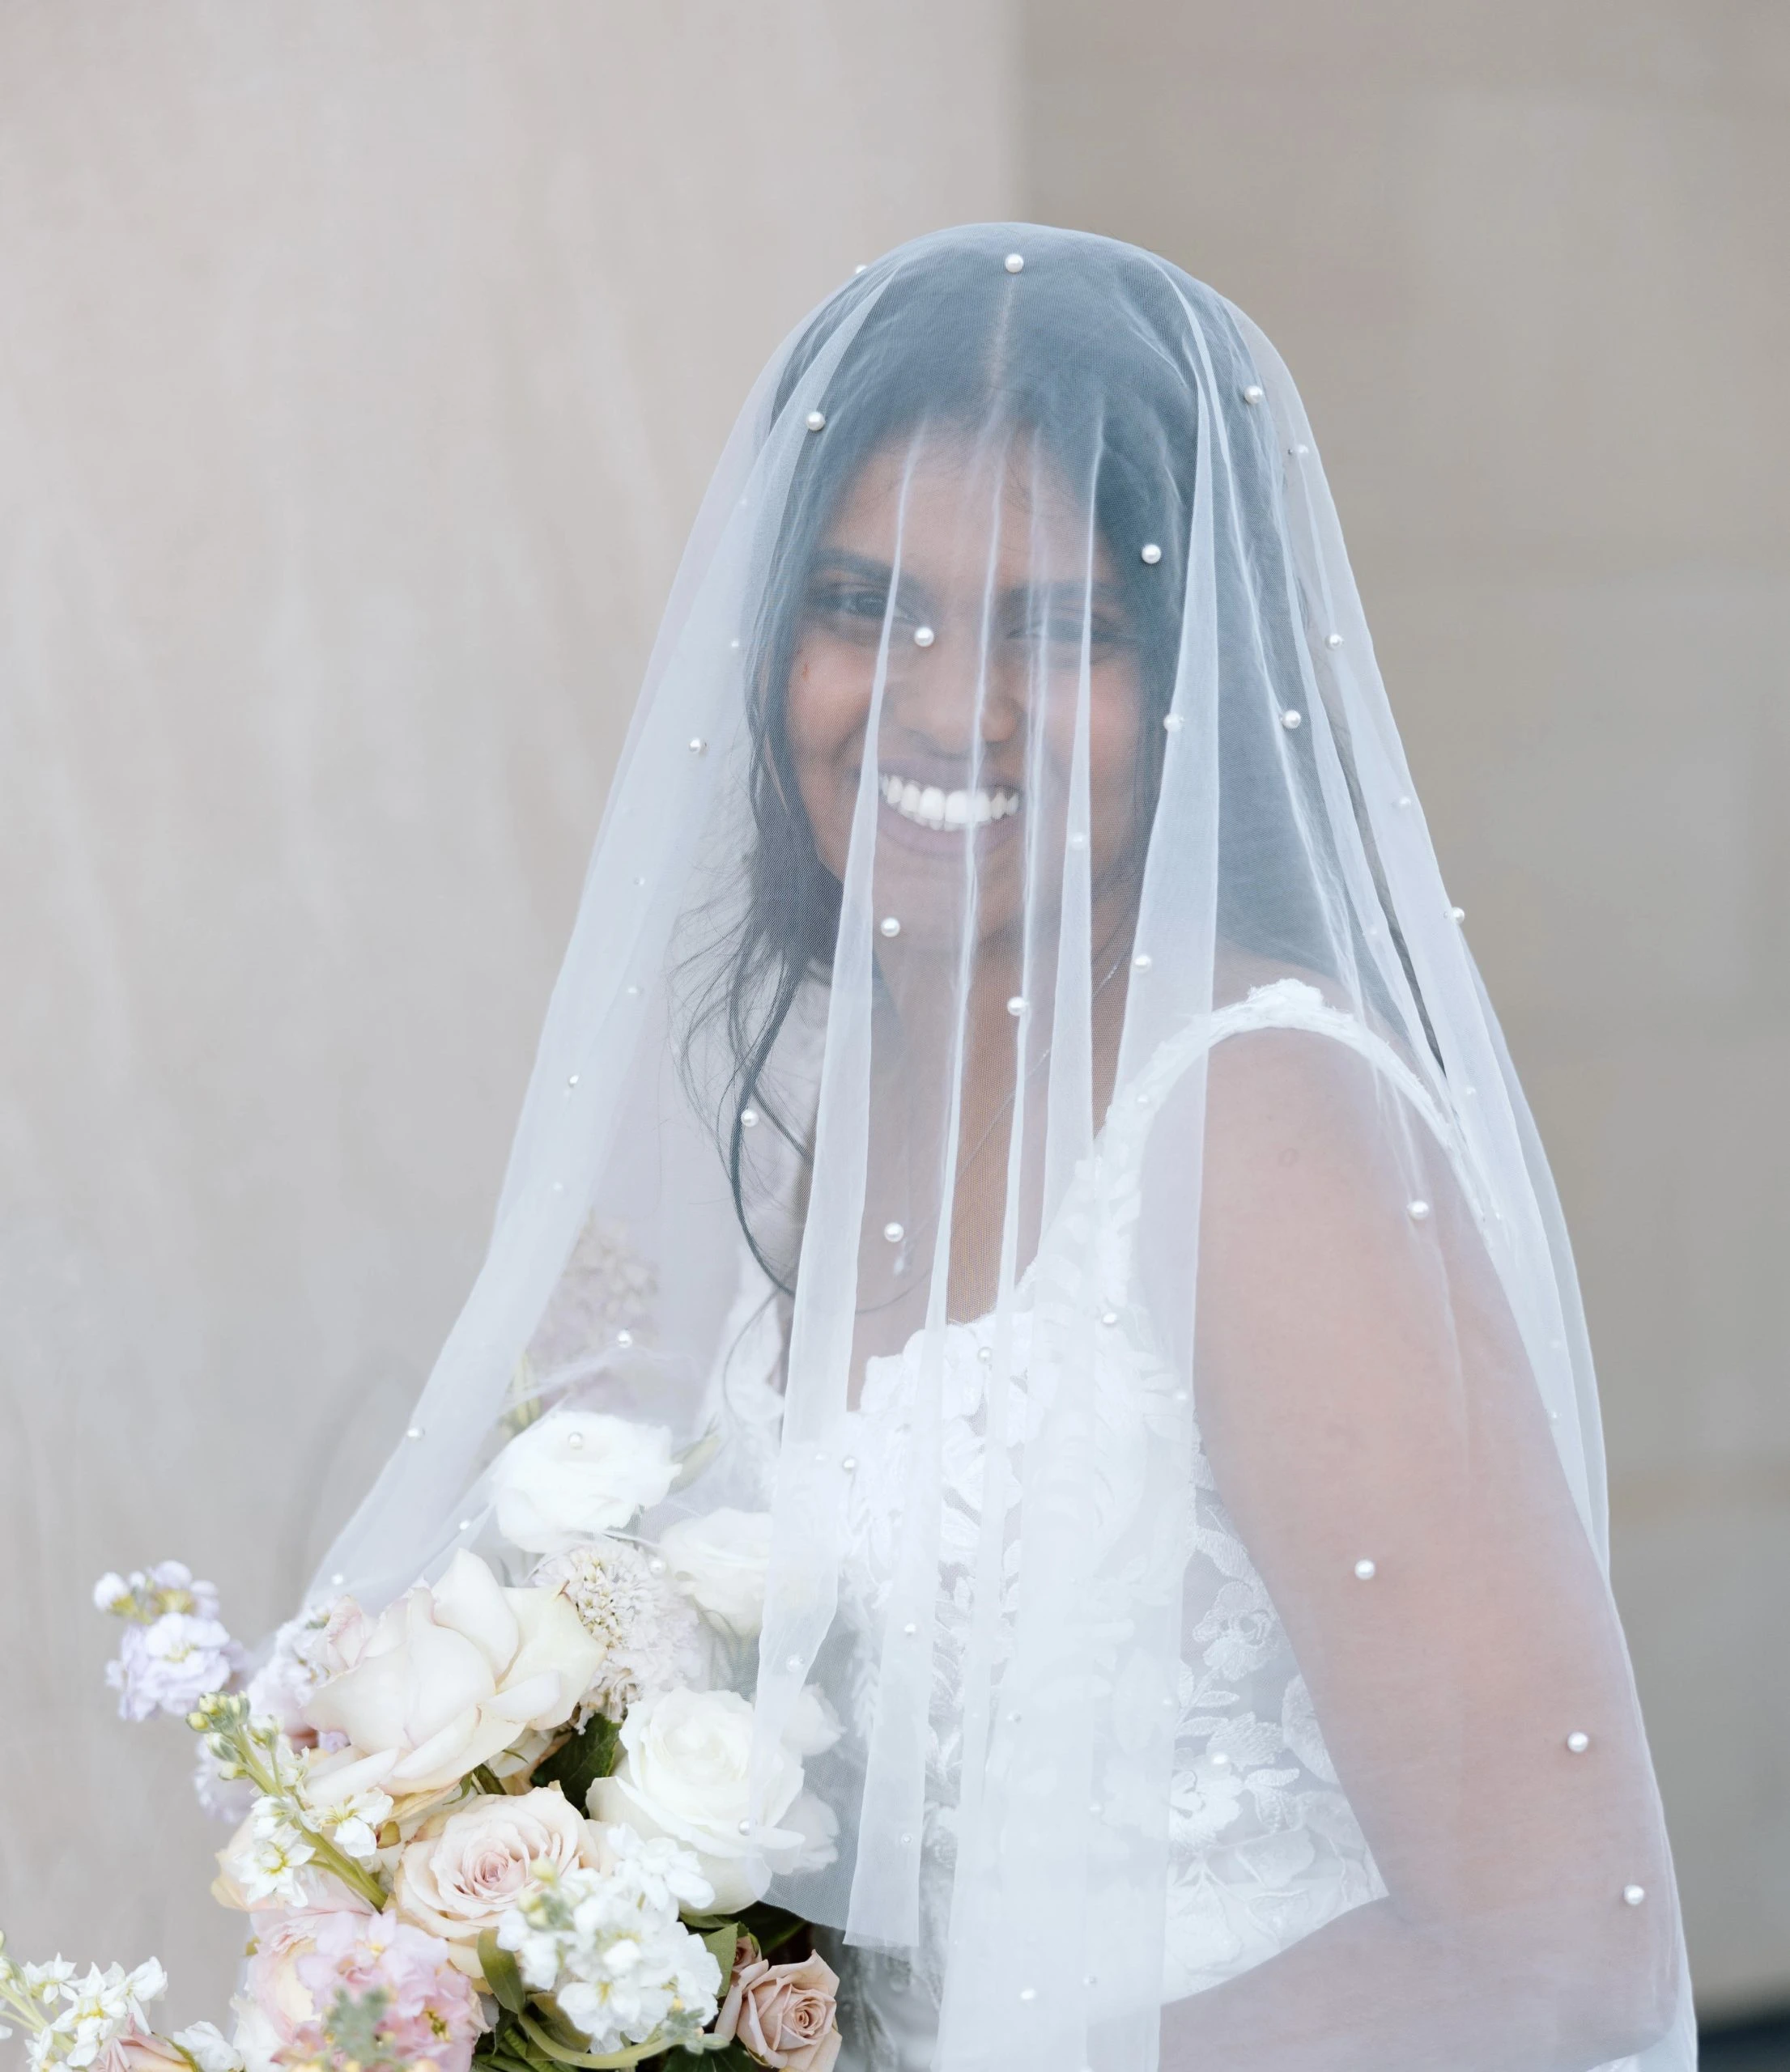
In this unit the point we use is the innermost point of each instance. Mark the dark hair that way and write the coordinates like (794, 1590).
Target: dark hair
(1089, 348)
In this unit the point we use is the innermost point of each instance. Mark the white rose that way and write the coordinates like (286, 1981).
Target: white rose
(721, 1561)
(449, 1677)
(684, 1773)
(575, 1473)
(467, 1868)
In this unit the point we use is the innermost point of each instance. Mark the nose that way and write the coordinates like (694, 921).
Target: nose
(946, 694)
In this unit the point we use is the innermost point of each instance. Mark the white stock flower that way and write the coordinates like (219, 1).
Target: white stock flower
(609, 1946)
(653, 1639)
(170, 1665)
(95, 2011)
(267, 1859)
(450, 1676)
(684, 1773)
(721, 1560)
(573, 1474)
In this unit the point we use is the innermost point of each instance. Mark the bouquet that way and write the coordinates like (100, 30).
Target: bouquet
(498, 1822)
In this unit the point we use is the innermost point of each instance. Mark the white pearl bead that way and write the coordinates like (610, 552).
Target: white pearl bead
(1292, 721)
(792, 1663)
(1150, 554)
(1028, 1992)
(1109, 1317)
(910, 1629)
(1633, 1895)
(697, 745)
(860, 269)
(338, 1579)
(907, 1842)
(575, 1441)
(1332, 640)
(1404, 800)
(1254, 392)
(655, 1566)
(1302, 449)
(889, 925)
(1140, 961)
(924, 636)
(1577, 1743)
(816, 421)
(465, 1525)
(748, 1119)
(624, 1338)
(1417, 1211)
(850, 1463)
(894, 1233)
(1018, 1005)
(1457, 914)
(1078, 841)
(415, 1432)
(1015, 263)
(572, 1078)
(984, 1354)
(1173, 723)
(745, 1826)
(1365, 1571)
(633, 992)
(1220, 1760)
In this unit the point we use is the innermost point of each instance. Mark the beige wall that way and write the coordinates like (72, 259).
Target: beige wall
(360, 366)
(1527, 261)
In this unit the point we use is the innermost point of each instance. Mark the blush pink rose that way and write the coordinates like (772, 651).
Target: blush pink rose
(785, 2015)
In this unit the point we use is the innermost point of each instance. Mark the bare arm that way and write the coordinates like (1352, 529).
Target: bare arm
(1363, 1395)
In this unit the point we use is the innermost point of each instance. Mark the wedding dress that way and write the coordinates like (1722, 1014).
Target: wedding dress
(1018, 1108)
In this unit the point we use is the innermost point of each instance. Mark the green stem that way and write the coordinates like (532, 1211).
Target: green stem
(352, 1874)
(560, 2055)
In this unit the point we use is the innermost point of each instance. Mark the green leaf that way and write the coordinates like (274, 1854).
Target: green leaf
(590, 1753)
(771, 1927)
(733, 2057)
(501, 1974)
(723, 1944)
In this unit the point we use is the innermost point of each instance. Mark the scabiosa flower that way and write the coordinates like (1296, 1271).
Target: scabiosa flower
(653, 1637)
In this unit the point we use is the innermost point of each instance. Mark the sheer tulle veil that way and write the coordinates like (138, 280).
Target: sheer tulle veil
(1019, 1109)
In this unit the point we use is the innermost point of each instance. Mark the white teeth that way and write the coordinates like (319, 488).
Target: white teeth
(928, 806)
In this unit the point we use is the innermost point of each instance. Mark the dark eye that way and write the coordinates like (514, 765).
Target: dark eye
(850, 602)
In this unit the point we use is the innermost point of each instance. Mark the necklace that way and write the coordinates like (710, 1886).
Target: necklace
(903, 1258)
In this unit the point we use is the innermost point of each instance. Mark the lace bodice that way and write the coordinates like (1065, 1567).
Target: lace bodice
(1264, 1848)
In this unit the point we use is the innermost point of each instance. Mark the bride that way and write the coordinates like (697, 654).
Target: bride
(1019, 1107)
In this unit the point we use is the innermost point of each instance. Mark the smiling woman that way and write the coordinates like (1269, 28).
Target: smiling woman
(1020, 1112)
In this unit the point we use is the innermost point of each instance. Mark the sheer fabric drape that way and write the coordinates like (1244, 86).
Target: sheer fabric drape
(1019, 1105)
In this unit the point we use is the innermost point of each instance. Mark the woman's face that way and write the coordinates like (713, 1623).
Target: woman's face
(978, 722)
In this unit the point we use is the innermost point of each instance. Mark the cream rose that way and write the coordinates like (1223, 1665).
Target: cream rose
(719, 1561)
(786, 2015)
(684, 1772)
(467, 1868)
(575, 1473)
(449, 1677)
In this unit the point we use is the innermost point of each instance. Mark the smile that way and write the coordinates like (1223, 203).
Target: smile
(926, 805)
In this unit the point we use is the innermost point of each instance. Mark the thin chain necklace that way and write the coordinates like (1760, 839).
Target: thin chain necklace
(903, 1256)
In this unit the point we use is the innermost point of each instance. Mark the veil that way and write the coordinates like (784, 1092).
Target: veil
(1019, 1126)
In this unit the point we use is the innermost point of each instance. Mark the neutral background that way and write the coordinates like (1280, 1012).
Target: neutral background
(361, 363)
